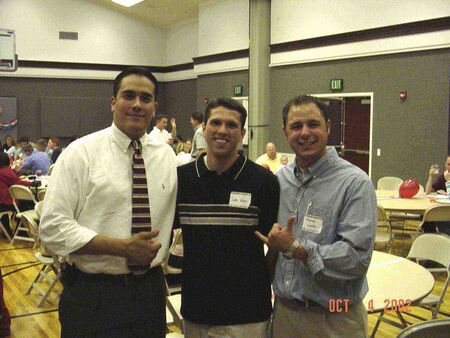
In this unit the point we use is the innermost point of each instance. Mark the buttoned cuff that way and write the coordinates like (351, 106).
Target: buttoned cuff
(315, 263)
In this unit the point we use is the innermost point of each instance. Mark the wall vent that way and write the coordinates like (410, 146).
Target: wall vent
(68, 35)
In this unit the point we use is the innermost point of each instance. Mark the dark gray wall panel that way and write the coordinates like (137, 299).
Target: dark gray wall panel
(411, 135)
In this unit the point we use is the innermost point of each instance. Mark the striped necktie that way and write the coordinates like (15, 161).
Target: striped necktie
(141, 217)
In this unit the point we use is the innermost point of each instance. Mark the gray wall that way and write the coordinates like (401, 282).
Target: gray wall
(179, 99)
(411, 135)
(220, 85)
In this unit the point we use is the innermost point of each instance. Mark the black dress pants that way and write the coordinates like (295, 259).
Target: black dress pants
(100, 305)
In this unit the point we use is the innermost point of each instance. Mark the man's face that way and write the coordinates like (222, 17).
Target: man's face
(162, 123)
(23, 144)
(193, 122)
(134, 105)
(447, 164)
(307, 133)
(223, 132)
(271, 151)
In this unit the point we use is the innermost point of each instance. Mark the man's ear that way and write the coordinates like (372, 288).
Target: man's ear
(328, 127)
(113, 103)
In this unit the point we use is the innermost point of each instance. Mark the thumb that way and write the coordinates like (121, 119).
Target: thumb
(290, 223)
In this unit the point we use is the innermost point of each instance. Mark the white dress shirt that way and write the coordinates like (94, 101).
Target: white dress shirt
(89, 193)
(160, 135)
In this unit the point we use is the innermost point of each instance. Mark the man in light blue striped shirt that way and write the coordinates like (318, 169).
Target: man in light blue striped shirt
(325, 232)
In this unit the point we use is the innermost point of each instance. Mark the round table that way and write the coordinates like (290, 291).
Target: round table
(395, 280)
(389, 200)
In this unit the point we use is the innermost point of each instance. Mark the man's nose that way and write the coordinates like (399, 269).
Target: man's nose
(137, 104)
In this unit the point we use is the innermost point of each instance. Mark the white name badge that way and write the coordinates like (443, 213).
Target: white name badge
(312, 224)
(240, 199)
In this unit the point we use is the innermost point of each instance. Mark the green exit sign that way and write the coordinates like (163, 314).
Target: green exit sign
(237, 90)
(336, 84)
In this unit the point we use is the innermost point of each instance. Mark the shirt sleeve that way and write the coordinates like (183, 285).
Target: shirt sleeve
(64, 199)
(201, 142)
(27, 163)
(349, 257)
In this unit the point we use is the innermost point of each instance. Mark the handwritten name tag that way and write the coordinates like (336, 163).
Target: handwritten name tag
(312, 224)
(240, 199)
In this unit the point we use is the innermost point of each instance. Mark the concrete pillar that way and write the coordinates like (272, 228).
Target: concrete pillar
(258, 122)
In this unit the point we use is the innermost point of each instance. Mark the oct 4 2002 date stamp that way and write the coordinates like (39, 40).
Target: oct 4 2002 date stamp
(392, 305)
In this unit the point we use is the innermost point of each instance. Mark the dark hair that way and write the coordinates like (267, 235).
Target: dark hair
(4, 160)
(197, 117)
(140, 71)
(55, 140)
(24, 139)
(28, 149)
(159, 117)
(305, 99)
(229, 103)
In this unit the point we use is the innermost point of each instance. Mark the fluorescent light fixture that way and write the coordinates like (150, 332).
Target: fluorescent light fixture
(127, 3)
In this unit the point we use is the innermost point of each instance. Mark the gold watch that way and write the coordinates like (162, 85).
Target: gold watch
(289, 253)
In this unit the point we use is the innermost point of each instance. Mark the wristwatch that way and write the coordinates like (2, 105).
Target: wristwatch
(289, 253)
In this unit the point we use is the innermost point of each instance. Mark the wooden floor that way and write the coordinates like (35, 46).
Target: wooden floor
(30, 321)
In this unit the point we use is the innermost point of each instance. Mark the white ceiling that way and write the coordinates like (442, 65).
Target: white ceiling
(160, 13)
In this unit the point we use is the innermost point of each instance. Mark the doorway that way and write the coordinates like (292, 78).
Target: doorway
(351, 116)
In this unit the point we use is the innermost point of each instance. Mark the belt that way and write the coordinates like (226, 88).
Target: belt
(70, 273)
(305, 303)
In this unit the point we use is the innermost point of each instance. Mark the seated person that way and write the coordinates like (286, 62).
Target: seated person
(36, 160)
(436, 181)
(271, 157)
(7, 178)
(184, 152)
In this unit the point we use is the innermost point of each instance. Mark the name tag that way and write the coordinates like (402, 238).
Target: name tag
(240, 199)
(312, 224)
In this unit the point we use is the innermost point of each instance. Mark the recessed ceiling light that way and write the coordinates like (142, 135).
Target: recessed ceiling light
(127, 3)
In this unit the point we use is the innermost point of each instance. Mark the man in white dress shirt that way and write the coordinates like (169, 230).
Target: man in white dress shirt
(159, 132)
(87, 217)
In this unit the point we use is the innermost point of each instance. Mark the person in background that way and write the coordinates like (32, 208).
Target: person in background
(222, 199)
(19, 152)
(96, 216)
(36, 160)
(271, 157)
(159, 132)
(436, 181)
(9, 142)
(183, 152)
(325, 232)
(8, 177)
(53, 144)
(198, 140)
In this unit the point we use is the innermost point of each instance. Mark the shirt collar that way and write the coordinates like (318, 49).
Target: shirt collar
(317, 167)
(234, 171)
(122, 140)
(197, 126)
(157, 129)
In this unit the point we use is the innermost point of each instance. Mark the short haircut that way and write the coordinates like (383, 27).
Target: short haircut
(305, 99)
(41, 144)
(159, 117)
(140, 71)
(55, 140)
(4, 160)
(197, 117)
(28, 149)
(24, 139)
(228, 103)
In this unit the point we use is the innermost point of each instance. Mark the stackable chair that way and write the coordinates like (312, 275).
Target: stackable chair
(2, 226)
(384, 230)
(173, 296)
(389, 183)
(49, 263)
(20, 192)
(431, 329)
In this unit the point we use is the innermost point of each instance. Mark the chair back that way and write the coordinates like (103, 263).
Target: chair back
(20, 192)
(33, 229)
(50, 169)
(430, 329)
(431, 247)
(41, 195)
(177, 240)
(381, 214)
(437, 213)
(389, 183)
(38, 208)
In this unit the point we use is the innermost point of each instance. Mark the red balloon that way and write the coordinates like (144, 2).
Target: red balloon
(409, 188)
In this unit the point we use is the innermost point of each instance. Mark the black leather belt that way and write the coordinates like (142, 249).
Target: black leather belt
(70, 273)
(306, 303)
